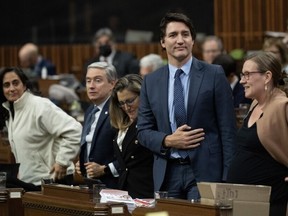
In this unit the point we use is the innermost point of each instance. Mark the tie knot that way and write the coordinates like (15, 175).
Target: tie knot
(178, 73)
(94, 110)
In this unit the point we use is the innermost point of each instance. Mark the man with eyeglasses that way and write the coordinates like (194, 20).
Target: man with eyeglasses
(97, 135)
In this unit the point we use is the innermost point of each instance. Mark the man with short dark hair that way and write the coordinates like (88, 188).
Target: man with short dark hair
(186, 115)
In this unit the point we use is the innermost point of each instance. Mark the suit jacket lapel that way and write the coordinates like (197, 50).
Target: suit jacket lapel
(196, 77)
(103, 116)
(163, 81)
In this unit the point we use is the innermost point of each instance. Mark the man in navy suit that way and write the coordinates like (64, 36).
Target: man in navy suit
(207, 136)
(97, 135)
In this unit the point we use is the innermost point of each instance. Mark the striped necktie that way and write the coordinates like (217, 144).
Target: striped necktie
(87, 126)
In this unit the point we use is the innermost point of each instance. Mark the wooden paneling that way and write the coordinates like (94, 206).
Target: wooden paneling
(242, 23)
(177, 207)
(70, 58)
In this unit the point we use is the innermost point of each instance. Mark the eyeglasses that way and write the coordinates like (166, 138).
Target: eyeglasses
(128, 102)
(246, 75)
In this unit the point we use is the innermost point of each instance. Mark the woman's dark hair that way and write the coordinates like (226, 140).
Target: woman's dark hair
(228, 64)
(4, 114)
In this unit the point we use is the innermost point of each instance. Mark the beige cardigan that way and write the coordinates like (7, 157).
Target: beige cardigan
(272, 127)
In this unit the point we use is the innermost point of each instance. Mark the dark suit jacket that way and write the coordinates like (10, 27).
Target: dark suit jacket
(210, 106)
(102, 145)
(134, 165)
(124, 62)
(51, 68)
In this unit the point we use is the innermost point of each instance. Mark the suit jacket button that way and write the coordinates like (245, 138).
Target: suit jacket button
(126, 169)
(132, 157)
(136, 141)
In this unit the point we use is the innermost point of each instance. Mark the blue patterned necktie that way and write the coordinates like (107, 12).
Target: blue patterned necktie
(87, 126)
(179, 105)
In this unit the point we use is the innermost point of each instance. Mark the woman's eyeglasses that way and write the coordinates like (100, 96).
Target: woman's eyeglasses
(128, 102)
(246, 75)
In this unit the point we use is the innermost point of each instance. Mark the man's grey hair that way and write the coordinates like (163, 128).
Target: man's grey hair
(103, 32)
(110, 70)
(153, 60)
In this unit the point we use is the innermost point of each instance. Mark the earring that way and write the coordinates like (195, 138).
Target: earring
(265, 88)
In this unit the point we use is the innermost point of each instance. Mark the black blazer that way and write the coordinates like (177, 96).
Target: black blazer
(125, 63)
(102, 145)
(134, 165)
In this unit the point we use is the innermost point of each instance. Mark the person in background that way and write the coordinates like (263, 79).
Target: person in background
(97, 136)
(105, 49)
(43, 138)
(186, 115)
(150, 63)
(134, 164)
(33, 64)
(278, 48)
(212, 46)
(262, 153)
(230, 68)
(37, 67)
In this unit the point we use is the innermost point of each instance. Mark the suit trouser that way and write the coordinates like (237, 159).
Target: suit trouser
(180, 180)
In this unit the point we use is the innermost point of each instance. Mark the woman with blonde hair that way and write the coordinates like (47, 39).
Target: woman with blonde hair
(134, 162)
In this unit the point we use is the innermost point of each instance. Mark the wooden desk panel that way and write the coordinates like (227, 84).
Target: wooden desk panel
(6, 155)
(44, 85)
(10, 202)
(177, 207)
(60, 200)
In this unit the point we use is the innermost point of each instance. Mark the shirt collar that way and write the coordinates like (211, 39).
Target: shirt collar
(186, 68)
(100, 106)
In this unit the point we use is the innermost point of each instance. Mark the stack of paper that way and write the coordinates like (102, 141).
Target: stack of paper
(112, 195)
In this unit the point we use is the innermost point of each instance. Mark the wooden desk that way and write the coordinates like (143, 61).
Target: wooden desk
(10, 202)
(177, 207)
(64, 200)
(44, 85)
(6, 156)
